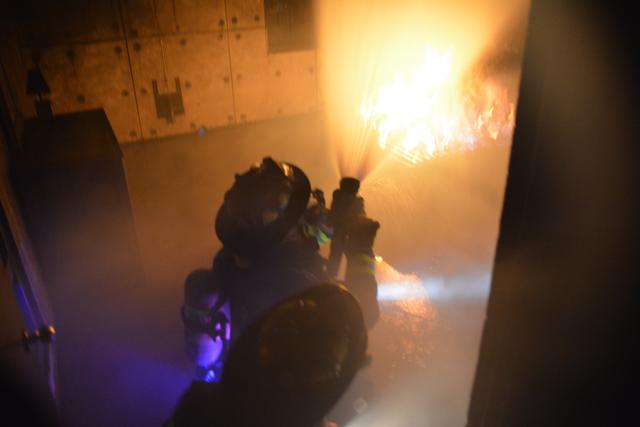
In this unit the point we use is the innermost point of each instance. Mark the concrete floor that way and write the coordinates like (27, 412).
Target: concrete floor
(443, 224)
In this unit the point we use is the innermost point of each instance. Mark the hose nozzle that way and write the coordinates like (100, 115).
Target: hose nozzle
(350, 185)
(344, 205)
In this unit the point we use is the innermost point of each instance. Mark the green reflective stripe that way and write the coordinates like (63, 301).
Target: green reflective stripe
(318, 233)
(322, 237)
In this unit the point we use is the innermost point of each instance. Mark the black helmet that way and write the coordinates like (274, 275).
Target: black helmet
(262, 206)
(293, 364)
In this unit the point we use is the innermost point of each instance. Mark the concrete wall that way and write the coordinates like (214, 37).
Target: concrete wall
(107, 53)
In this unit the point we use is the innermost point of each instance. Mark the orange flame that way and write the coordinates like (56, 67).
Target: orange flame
(437, 108)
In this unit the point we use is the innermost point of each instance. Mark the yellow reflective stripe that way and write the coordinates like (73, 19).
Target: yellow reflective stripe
(361, 263)
(361, 270)
(364, 258)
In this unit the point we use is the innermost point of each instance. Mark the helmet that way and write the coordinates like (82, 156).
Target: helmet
(293, 364)
(261, 207)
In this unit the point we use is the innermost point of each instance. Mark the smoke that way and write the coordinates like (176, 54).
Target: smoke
(439, 223)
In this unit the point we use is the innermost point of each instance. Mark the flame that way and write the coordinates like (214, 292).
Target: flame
(437, 108)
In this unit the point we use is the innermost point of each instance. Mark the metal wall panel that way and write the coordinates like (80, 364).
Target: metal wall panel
(216, 48)
(146, 66)
(139, 19)
(201, 63)
(290, 25)
(192, 15)
(65, 21)
(293, 82)
(154, 17)
(250, 66)
(88, 76)
(243, 14)
(267, 86)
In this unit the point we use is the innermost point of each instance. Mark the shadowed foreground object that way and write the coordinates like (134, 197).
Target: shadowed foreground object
(558, 344)
(70, 182)
(288, 369)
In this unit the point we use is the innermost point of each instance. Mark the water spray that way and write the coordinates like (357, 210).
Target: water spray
(345, 204)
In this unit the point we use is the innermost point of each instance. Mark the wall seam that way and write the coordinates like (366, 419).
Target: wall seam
(133, 83)
(231, 76)
(54, 43)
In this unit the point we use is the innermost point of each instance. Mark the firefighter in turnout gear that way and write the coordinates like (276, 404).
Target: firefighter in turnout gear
(271, 234)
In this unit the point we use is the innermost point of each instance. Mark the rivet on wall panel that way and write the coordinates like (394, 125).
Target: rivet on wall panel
(277, 73)
(117, 50)
(183, 42)
(220, 36)
(133, 134)
(81, 99)
(279, 110)
(187, 85)
(221, 23)
(311, 70)
(256, 18)
(238, 76)
(70, 54)
(125, 92)
(133, 32)
(152, 132)
(238, 36)
(231, 118)
(143, 91)
(226, 79)
(137, 47)
(192, 126)
(243, 117)
(234, 20)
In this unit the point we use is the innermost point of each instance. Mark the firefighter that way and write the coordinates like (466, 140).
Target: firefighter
(270, 251)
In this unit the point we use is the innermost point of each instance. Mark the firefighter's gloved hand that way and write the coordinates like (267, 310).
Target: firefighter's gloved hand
(361, 236)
